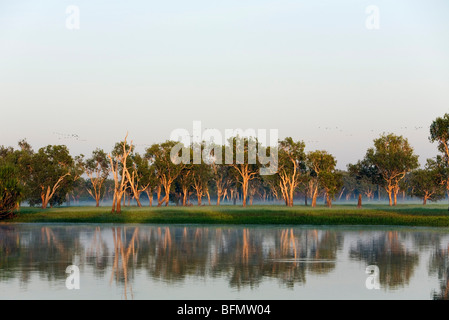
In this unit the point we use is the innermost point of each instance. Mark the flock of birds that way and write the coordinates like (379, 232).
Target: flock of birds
(340, 130)
(68, 136)
(74, 136)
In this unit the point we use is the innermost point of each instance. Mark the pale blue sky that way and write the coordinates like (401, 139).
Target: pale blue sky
(153, 66)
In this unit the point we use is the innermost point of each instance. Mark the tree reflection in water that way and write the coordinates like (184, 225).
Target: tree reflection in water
(123, 249)
(36, 250)
(244, 257)
(439, 265)
(97, 254)
(395, 261)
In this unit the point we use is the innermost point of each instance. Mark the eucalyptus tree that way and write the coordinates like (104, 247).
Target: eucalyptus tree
(245, 163)
(331, 181)
(166, 170)
(10, 190)
(139, 175)
(152, 183)
(50, 169)
(367, 177)
(70, 185)
(136, 170)
(97, 168)
(118, 160)
(393, 157)
(321, 166)
(425, 183)
(222, 179)
(21, 160)
(201, 173)
(442, 167)
(219, 172)
(439, 132)
(185, 181)
(291, 166)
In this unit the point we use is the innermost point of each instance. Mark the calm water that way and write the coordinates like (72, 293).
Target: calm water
(222, 262)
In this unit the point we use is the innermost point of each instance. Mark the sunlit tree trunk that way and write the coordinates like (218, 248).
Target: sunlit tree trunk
(245, 190)
(198, 186)
(167, 186)
(184, 196)
(292, 191)
(314, 196)
(44, 203)
(158, 193)
(119, 187)
(328, 200)
(48, 193)
(208, 196)
(119, 204)
(114, 202)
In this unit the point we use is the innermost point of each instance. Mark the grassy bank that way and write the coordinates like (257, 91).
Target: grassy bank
(407, 215)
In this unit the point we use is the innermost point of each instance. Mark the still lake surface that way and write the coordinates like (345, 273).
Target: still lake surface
(223, 262)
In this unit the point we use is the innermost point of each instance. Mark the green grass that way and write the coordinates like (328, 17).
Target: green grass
(406, 215)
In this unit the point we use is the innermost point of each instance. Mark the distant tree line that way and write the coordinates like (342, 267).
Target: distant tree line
(51, 176)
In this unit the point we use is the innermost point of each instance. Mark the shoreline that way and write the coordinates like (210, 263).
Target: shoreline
(369, 215)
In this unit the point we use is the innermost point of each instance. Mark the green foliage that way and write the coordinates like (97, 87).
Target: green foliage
(366, 177)
(48, 166)
(201, 174)
(393, 156)
(426, 183)
(98, 162)
(162, 167)
(331, 182)
(142, 170)
(51, 173)
(118, 151)
(439, 132)
(291, 152)
(320, 161)
(159, 157)
(10, 191)
(97, 168)
(365, 170)
(323, 174)
(244, 154)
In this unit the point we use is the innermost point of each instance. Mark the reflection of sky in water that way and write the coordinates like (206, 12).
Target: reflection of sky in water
(221, 262)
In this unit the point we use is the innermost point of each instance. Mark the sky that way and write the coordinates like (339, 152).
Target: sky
(311, 69)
